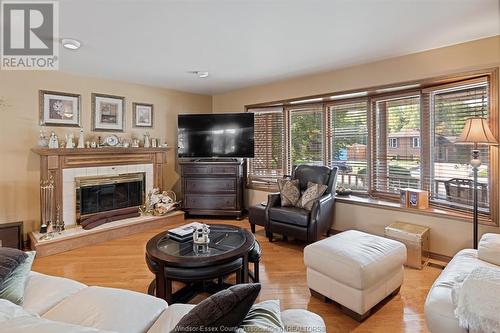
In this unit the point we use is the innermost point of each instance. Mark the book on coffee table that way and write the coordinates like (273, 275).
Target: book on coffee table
(184, 232)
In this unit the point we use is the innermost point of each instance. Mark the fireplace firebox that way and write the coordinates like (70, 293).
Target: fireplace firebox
(102, 194)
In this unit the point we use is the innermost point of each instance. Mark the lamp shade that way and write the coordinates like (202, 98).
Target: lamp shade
(476, 131)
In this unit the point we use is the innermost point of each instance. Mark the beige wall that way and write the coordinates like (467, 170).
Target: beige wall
(448, 236)
(19, 118)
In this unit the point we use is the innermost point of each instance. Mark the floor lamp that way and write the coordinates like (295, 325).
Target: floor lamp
(476, 132)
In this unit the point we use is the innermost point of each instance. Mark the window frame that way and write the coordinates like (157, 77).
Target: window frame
(328, 134)
(413, 145)
(393, 143)
(372, 191)
(420, 87)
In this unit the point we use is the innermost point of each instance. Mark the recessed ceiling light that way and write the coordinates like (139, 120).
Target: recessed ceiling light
(200, 74)
(71, 44)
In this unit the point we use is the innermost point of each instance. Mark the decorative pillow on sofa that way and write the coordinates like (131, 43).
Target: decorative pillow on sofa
(313, 192)
(12, 288)
(264, 317)
(289, 192)
(489, 248)
(9, 260)
(222, 312)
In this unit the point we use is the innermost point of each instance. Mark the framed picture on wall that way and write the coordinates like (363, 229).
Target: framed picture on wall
(59, 109)
(142, 114)
(108, 113)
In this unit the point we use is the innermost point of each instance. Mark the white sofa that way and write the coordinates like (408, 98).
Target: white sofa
(55, 304)
(439, 307)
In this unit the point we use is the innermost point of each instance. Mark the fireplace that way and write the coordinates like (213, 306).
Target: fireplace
(101, 194)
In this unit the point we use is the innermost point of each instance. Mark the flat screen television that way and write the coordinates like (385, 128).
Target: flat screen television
(216, 135)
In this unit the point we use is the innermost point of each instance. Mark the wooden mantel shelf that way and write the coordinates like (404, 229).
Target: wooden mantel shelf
(97, 151)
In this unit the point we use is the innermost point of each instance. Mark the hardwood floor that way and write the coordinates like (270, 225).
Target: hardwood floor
(120, 263)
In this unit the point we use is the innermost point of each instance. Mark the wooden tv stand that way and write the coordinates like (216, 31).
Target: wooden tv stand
(213, 187)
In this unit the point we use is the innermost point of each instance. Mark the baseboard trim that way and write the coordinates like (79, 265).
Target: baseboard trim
(432, 255)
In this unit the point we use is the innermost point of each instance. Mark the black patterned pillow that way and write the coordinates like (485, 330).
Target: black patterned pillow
(289, 192)
(222, 312)
(311, 194)
(10, 259)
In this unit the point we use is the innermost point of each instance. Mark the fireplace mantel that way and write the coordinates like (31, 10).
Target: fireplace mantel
(54, 161)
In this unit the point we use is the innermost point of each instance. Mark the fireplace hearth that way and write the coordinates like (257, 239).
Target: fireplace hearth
(100, 195)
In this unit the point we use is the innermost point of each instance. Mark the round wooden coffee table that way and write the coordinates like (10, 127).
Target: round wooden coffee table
(197, 266)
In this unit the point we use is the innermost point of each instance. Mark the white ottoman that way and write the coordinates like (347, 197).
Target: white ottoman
(355, 269)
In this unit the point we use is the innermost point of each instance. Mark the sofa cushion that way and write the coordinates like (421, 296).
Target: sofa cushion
(489, 248)
(170, 317)
(224, 311)
(13, 286)
(42, 325)
(302, 321)
(355, 258)
(9, 310)
(44, 291)
(10, 259)
(290, 215)
(14, 319)
(109, 309)
(439, 307)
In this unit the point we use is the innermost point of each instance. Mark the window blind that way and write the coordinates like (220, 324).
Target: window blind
(396, 160)
(268, 163)
(306, 136)
(348, 142)
(451, 174)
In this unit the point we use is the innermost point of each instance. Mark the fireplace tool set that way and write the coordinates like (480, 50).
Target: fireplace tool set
(48, 226)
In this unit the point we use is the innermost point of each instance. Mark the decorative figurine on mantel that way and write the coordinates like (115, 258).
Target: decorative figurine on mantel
(53, 141)
(42, 139)
(147, 142)
(70, 141)
(135, 143)
(81, 139)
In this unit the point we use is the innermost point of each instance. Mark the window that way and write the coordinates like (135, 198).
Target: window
(393, 142)
(348, 141)
(306, 136)
(397, 121)
(269, 163)
(450, 172)
(416, 142)
(383, 140)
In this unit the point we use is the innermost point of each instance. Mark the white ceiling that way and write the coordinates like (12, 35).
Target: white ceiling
(244, 42)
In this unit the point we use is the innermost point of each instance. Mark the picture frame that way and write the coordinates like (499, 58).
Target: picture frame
(108, 113)
(59, 109)
(143, 115)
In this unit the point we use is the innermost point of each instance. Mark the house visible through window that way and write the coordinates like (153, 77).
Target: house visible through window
(396, 166)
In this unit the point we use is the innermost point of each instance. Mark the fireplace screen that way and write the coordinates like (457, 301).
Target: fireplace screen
(103, 194)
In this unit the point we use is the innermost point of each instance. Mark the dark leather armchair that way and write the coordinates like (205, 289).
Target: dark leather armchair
(298, 222)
